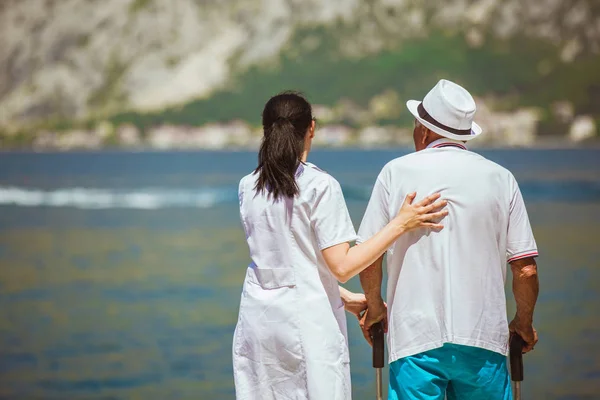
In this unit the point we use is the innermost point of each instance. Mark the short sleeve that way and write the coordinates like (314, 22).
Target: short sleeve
(330, 218)
(241, 202)
(376, 216)
(520, 241)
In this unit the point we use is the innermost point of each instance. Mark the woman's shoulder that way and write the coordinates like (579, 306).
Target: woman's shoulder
(315, 182)
(313, 167)
(249, 179)
(314, 175)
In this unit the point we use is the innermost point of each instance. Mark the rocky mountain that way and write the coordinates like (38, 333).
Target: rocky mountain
(82, 60)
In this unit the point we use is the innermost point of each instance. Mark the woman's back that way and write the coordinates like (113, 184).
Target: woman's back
(292, 328)
(289, 233)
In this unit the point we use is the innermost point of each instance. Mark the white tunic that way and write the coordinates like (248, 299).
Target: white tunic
(290, 340)
(448, 287)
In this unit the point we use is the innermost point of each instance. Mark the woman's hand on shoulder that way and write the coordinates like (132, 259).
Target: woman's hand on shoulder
(427, 213)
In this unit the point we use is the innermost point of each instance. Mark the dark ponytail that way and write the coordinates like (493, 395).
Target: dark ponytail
(286, 119)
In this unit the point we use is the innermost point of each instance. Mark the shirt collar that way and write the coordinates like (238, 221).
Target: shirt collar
(300, 169)
(445, 142)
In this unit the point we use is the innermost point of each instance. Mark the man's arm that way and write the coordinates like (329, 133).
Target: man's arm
(525, 289)
(370, 280)
(520, 252)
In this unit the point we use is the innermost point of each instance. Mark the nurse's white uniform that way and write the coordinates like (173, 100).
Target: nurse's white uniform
(290, 341)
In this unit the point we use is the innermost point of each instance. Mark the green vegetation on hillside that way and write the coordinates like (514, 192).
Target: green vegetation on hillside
(517, 72)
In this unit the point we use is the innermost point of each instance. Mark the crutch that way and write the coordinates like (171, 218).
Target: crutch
(376, 332)
(516, 363)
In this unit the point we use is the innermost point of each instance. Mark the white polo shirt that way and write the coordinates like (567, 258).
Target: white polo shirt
(448, 286)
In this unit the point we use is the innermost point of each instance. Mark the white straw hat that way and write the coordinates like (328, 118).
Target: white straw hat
(448, 110)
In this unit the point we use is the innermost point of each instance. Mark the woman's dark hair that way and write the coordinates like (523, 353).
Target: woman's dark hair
(286, 119)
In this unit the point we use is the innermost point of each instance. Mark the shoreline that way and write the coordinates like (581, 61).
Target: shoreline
(543, 145)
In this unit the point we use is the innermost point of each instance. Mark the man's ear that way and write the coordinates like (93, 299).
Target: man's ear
(425, 136)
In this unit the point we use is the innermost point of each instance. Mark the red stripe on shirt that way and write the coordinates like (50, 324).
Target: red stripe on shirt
(460, 146)
(521, 256)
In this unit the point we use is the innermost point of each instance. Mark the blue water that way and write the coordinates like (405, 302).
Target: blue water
(154, 181)
(120, 273)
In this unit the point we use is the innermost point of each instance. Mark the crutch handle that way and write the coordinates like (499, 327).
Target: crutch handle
(516, 357)
(376, 332)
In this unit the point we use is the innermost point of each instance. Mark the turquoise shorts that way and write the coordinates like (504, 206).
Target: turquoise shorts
(460, 372)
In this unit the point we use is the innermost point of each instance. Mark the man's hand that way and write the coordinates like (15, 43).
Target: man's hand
(526, 331)
(355, 303)
(376, 312)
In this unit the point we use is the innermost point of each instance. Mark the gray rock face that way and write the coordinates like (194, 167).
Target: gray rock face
(84, 58)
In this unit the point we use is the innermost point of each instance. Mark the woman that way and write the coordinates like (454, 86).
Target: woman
(290, 341)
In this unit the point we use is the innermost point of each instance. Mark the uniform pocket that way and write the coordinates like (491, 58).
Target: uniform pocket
(272, 278)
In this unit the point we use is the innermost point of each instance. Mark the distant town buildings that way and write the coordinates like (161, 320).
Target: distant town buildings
(346, 124)
(502, 128)
(583, 128)
(334, 136)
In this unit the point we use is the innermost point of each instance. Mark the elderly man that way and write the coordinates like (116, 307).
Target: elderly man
(446, 317)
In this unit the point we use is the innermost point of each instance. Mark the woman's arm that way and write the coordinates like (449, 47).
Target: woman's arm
(354, 303)
(345, 261)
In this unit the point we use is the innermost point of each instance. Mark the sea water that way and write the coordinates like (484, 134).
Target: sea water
(120, 273)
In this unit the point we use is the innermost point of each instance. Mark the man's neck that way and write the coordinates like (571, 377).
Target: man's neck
(445, 142)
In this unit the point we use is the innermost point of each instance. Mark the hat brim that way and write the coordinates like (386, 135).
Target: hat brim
(476, 130)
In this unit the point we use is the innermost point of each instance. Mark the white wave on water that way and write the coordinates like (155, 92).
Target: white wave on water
(207, 197)
(94, 198)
